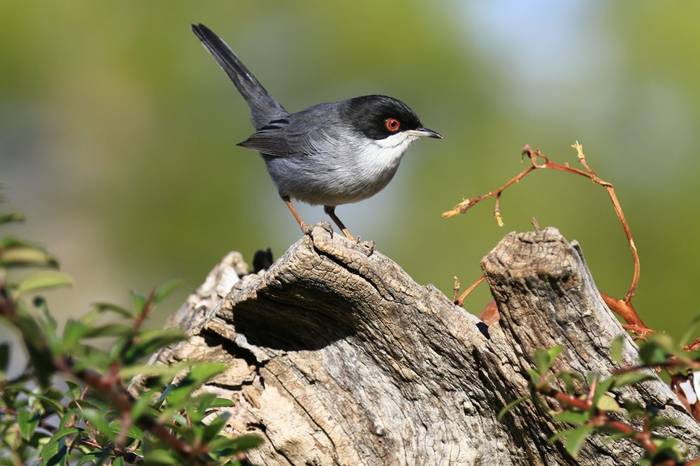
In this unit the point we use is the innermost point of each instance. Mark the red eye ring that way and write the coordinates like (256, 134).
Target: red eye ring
(392, 124)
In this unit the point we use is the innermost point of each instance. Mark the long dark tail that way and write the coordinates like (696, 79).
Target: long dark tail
(263, 107)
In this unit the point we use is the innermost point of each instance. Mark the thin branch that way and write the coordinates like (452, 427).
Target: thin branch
(140, 318)
(128, 455)
(643, 438)
(538, 161)
(460, 300)
(107, 387)
(694, 346)
(456, 285)
(601, 419)
(626, 311)
(467, 204)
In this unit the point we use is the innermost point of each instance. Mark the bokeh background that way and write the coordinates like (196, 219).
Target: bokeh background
(118, 132)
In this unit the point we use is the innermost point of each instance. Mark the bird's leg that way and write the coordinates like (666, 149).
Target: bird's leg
(330, 210)
(295, 214)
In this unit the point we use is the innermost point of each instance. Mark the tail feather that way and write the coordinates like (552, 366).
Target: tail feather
(263, 107)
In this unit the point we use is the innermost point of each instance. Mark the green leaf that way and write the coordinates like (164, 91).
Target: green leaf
(109, 307)
(534, 376)
(666, 449)
(57, 458)
(180, 420)
(616, 347)
(153, 370)
(197, 409)
(64, 432)
(27, 421)
(139, 301)
(135, 433)
(43, 280)
(51, 404)
(222, 403)
(53, 451)
(656, 349)
(72, 333)
(11, 217)
(603, 386)
(160, 457)
(4, 356)
(572, 381)
(149, 342)
(48, 451)
(631, 378)
(73, 389)
(212, 429)
(89, 455)
(545, 358)
(10, 242)
(35, 341)
(507, 408)
(203, 371)
(664, 341)
(98, 420)
(230, 446)
(572, 417)
(48, 322)
(652, 354)
(661, 421)
(575, 438)
(108, 330)
(181, 394)
(200, 373)
(25, 256)
(607, 403)
(143, 402)
(164, 290)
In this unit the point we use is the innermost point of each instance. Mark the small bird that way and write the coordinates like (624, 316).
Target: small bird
(328, 154)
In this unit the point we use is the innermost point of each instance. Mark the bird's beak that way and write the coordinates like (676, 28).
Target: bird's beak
(429, 133)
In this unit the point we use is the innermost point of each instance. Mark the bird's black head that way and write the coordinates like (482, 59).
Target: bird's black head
(380, 116)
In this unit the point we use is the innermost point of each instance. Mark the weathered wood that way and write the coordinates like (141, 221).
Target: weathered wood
(336, 356)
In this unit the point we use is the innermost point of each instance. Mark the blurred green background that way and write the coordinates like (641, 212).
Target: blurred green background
(118, 132)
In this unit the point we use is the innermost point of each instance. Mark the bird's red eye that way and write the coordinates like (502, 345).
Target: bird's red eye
(392, 124)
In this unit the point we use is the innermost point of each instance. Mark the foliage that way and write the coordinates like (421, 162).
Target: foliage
(595, 404)
(70, 404)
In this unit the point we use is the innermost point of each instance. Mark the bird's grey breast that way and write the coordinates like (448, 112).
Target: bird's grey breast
(317, 157)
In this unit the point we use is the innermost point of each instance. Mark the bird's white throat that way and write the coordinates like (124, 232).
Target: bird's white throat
(385, 154)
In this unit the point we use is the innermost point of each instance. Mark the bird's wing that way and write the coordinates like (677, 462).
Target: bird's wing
(271, 139)
(299, 134)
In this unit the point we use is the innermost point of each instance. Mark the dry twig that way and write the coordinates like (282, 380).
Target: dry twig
(460, 299)
(623, 307)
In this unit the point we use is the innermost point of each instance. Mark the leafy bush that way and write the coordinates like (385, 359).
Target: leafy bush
(595, 404)
(71, 403)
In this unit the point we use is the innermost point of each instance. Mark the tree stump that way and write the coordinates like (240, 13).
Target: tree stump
(337, 357)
